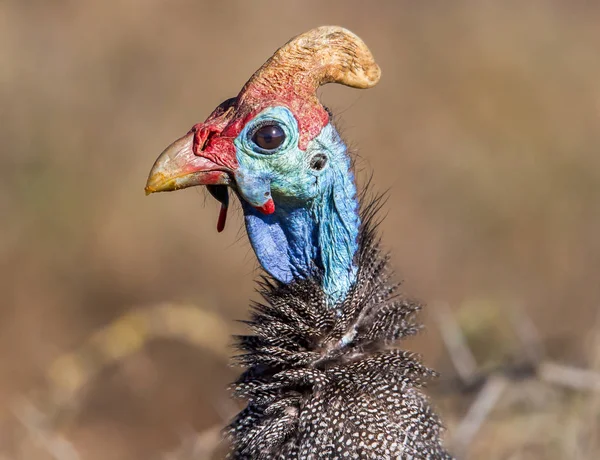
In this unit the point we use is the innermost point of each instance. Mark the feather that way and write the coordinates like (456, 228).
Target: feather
(331, 383)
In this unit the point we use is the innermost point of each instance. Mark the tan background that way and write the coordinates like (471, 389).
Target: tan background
(485, 129)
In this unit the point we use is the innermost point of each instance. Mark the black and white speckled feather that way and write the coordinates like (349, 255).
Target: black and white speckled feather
(331, 383)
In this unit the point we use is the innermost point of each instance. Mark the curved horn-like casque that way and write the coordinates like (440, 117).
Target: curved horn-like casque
(327, 54)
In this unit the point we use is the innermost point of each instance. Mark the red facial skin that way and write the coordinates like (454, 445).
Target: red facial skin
(268, 207)
(209, 141)
(214, 139)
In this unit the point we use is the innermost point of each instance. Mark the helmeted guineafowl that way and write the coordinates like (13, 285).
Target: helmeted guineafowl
(324, 377)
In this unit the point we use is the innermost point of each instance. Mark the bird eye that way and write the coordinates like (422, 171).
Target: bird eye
(269, 137)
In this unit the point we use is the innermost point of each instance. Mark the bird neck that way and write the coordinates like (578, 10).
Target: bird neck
(315, 237)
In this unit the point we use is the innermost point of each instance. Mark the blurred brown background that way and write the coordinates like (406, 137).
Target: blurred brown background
(485, 128)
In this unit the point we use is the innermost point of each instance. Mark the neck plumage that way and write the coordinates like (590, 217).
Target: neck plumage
(318, 237)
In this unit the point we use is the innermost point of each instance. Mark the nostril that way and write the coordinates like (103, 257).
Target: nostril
(202, 136)
(199, 142)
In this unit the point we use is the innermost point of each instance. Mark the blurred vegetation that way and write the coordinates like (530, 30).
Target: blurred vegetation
(484, 128)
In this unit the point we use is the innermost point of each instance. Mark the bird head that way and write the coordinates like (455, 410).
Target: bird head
(275, 147)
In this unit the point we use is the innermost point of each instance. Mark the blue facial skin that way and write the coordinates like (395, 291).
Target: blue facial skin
(315, 224)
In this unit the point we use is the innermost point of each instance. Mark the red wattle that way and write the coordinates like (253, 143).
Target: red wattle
(222, 218)
(268, 207)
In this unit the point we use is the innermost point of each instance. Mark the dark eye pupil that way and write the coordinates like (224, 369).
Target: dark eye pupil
(269, 137)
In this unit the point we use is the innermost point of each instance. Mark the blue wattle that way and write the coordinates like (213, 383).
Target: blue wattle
(316, 233)
(285, 242)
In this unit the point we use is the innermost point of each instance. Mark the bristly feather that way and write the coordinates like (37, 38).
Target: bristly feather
(330, 383)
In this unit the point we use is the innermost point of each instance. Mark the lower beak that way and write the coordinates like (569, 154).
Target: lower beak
(178, 167)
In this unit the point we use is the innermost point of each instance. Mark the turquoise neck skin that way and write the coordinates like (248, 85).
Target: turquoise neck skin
(315, 229)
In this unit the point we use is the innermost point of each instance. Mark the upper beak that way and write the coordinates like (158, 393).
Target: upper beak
(178, 167)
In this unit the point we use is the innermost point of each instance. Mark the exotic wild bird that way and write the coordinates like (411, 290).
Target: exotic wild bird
(324, 377)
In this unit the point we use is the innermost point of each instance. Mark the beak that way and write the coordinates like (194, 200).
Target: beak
(178, 167)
